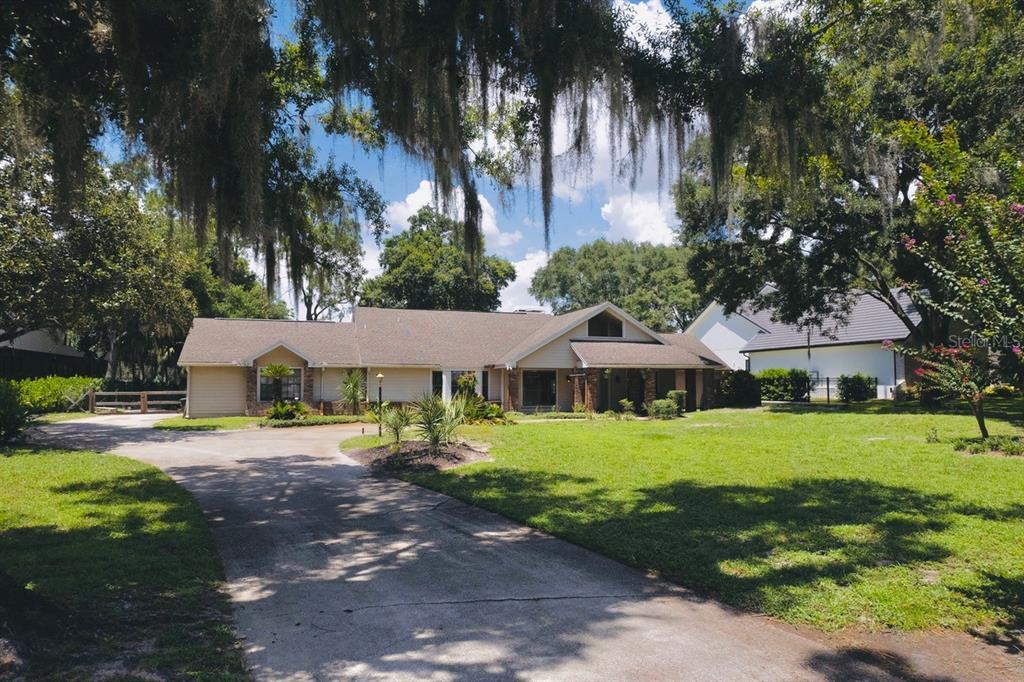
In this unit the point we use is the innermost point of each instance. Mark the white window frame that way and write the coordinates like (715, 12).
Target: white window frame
(259, 385)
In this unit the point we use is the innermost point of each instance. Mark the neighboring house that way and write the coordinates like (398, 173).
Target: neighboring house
(43, 353)
(524, 360)
(749, 339)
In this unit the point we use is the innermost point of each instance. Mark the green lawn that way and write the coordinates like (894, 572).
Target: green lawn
(120, 570)
(818, 516)
(208, 424)
(54, 417)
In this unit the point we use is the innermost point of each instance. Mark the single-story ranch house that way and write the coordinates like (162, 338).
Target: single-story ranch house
(524, 360)
(751, 339)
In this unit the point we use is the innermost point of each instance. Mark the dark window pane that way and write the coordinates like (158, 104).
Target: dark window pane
(484, 388)
(291, 388)
(539, 389)
(436, 382)
(604, 325)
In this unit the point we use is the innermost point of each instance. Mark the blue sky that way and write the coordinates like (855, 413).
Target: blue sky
(589, 204)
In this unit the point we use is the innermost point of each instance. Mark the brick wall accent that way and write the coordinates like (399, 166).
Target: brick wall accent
(579, 389)
(591, 388)
(650, 386)
(251, 385)
(307, 385)
(512, 397)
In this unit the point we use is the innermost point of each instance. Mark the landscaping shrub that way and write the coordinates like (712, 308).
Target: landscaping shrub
(579, 408)
(287, 410)
(311, 420)
(662, 409)
(627, 406)
(1001, 391)
(1008, 445)
(395, 421)
(784, 384)
(678, 397)
(855, 388)
(739, 389)
(54, 394)
(14, 414)
(480, 411)
(353, 389)
(437, 420)
(466, 383)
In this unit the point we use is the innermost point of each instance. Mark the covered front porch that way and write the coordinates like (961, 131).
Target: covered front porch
(600, 389)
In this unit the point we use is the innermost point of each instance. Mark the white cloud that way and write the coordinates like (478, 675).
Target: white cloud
(516, 295)
(399, 212)
(638, 218)
(784, 8)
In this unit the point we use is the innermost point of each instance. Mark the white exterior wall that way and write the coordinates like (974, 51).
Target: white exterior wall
(401, 384)
(558, 354)
(833, 361)
(494, 384)
(724, 334)
(216, 391)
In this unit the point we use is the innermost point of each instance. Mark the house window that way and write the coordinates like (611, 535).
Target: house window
(484, 388)
(604, 325)
(291, 388)
(437, 383)
(539, 389)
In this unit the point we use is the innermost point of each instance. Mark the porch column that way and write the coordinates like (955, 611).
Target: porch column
(446, 384)
(251, 384)
(513, 388)
(591, 389)
(579, 388)
(307, 384)
(650, 386)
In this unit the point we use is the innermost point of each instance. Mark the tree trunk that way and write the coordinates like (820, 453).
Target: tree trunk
(978, 405)
(112, 359)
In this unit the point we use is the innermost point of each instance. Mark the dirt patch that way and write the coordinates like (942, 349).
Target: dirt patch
(414, 456)
(927, 656)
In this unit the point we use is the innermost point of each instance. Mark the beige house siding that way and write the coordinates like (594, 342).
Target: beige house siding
(558, 353)
(216, 391)
(495, 384)
(327, 383)
(563, 390)
(280, 356)
(401, 384)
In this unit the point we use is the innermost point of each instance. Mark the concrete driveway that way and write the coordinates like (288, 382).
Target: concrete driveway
(336, 574)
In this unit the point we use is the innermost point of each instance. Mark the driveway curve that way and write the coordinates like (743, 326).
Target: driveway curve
(337, 574)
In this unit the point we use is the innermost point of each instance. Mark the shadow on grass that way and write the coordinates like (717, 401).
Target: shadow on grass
(131, 581)
(750, 546)
(1009, 410)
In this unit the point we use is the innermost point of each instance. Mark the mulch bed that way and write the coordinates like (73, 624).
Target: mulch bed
(414, 456)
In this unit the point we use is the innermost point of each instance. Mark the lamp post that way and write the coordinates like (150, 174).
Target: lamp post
(380, 404)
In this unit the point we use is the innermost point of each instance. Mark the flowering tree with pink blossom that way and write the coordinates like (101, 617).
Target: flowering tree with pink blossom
(960, 374)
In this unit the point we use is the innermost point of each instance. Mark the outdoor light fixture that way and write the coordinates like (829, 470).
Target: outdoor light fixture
(380, 404)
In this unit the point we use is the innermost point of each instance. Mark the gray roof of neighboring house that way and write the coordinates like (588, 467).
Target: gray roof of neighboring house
(869, 320)
(42, 341)
(384, 337)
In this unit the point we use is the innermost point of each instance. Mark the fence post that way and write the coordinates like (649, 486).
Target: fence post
(143, 402)
(828, 390)
(92, 399)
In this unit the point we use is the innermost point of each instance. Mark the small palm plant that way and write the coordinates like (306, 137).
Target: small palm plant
(395, 421)
(276, 373)
(437, 420)
(353, 388)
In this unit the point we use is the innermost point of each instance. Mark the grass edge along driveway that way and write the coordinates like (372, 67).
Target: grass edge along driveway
(828, 518)
(114, 568)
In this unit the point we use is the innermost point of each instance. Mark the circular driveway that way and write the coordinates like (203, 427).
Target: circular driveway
(337, 574)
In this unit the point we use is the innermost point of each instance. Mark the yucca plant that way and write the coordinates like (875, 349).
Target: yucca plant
(353, 388)
(437, 420)
(395, 421)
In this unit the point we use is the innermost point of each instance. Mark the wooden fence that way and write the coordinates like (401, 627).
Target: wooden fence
(136, 400)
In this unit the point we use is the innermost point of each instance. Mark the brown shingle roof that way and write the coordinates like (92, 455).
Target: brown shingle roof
(633, 354)
(424, 338)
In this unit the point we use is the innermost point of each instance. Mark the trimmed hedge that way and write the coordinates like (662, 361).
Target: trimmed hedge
(14, 414)
(784, 384)
(54, 394)
(662, 409)
(856, 388)
(739, 389)
(315, 420)
(678, 396)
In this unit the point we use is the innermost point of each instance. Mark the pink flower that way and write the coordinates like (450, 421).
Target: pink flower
(1016, 350)
(887, 343)
(920, 371)
(983, 282)
(940, 202)
(951, 198)
(909, 242)
(1017, 208)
